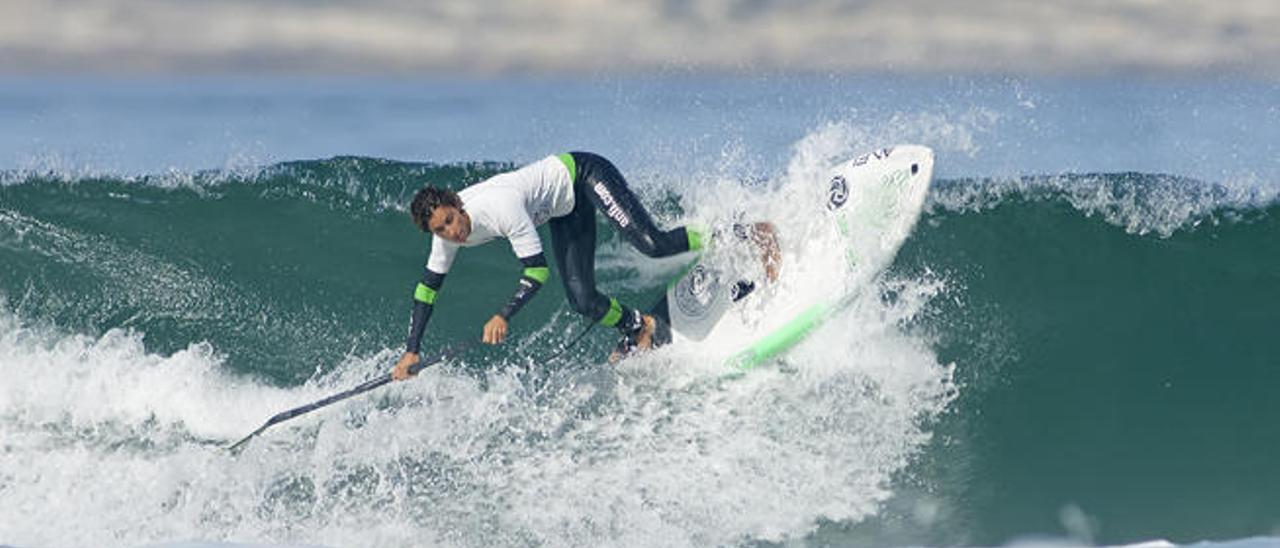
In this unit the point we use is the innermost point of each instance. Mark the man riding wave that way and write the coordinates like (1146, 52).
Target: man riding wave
(563, 191)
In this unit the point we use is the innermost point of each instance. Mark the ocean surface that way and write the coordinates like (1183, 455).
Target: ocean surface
(1076, 345)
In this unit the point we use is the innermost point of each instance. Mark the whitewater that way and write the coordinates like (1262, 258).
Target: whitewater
(1072, 345)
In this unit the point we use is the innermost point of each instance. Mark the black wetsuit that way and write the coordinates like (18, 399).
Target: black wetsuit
(599, 186)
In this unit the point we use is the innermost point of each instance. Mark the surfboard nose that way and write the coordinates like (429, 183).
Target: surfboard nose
(920, 158)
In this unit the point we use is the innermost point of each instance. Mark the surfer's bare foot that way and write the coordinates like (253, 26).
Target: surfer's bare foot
(639, 342)
(644, 341)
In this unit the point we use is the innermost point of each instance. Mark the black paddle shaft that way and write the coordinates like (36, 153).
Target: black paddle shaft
(362, 388)
(379, 381)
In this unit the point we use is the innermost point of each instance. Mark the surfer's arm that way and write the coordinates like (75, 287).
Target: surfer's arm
(424, 298)
(534, 275)
(424, 295)
(523, 235)
(766, 240)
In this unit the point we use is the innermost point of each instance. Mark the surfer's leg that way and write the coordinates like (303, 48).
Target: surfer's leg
(573, 238)
(605, 187)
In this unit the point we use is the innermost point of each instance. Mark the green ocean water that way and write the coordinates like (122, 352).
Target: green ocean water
(1121, 376)
(1113, 335)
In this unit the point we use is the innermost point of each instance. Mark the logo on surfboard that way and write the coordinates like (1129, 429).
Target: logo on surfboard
(877, 154)
(838, 193)
(695, 292)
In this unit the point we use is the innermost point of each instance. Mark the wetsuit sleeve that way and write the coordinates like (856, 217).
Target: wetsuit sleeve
(535, 274)
(424, 298)
(424, 295)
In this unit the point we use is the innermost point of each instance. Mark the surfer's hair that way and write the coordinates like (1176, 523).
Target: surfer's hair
(427, 200)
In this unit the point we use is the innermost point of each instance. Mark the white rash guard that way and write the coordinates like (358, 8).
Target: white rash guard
(510, 205)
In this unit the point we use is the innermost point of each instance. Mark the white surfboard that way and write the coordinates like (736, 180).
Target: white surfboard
(871, 204)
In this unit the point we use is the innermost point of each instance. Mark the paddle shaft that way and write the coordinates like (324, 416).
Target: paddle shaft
(362, 388)
(375, 383)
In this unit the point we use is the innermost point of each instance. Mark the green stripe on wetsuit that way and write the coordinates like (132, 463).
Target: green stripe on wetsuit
(614, 314)
(570, 165)
(695, 238)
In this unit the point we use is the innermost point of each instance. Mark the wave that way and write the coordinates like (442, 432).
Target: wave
(304, 260)
(1137, 202)
(257, 294)
(152, 319)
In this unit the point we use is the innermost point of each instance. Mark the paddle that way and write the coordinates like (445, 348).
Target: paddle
(362, 388)
(379, 381)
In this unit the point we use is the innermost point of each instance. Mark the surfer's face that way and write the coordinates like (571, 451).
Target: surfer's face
(450, 223)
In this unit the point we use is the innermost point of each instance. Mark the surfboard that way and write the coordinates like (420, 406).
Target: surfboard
(868, 209)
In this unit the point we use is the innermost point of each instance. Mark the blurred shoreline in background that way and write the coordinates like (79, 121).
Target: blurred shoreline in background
(1071, 37)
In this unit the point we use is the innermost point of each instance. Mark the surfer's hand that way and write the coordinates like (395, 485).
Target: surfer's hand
(766, 240)
(495, 331)
(401, 370)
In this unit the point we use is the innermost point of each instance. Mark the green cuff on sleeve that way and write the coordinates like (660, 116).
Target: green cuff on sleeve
(424, 294)
(539, 273)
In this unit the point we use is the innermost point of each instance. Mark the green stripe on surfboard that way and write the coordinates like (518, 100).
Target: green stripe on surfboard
(782, 339)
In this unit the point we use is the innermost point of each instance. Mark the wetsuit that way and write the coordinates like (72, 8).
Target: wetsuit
(564, 191)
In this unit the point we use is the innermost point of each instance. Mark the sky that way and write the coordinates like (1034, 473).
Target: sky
(414, 37)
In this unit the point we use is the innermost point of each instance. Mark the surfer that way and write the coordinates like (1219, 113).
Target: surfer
(563, 191)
